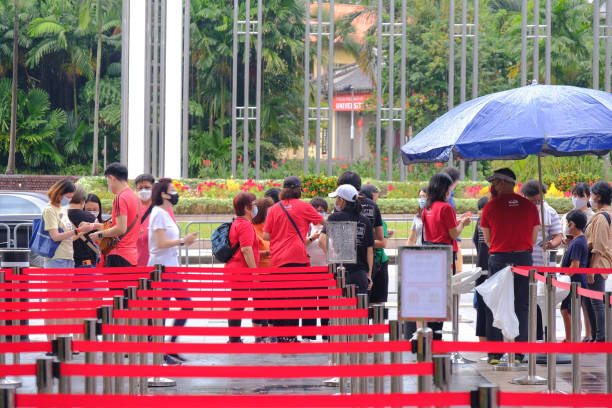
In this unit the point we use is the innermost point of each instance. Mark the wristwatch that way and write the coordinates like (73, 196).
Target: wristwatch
(182, 242)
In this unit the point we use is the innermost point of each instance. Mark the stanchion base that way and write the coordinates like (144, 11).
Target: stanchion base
(9, 382)
(529, 380)
(456, 358)
(161, 382)
(509, 367)
(332, 382)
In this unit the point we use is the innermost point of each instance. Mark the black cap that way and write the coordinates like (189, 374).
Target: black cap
(368, 190)
(292, 182)
(503, 174)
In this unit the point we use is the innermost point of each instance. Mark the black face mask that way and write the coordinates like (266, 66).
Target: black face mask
(173, 199)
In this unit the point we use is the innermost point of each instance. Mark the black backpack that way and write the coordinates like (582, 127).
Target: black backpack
(221, 246)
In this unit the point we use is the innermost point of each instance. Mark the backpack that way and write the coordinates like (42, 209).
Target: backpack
(221, 247)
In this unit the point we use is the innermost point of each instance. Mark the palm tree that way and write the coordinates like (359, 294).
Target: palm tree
(10, 168)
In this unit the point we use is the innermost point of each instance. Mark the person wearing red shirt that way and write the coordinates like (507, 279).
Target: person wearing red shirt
(125, 218)
(440, 225)
(242, 232)
(510, 225)
(286, 227)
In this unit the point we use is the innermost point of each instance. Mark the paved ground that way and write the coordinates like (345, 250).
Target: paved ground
(465, 377)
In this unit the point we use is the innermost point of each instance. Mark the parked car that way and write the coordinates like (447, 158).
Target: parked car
(17, 211)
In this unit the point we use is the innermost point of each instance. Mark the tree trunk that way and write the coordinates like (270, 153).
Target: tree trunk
(10, 168)
(94, 170)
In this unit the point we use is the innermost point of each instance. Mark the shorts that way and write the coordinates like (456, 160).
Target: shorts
(380, 283)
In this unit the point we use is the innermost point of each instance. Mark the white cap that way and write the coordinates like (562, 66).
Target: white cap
(346, 192)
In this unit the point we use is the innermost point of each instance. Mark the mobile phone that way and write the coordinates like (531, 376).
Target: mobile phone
(569, 236)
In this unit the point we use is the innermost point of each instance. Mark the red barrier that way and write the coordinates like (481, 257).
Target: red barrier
(520, 347)
(550, 269)
(243, 401)
(248, 278)
(86, 271)
(243, 348)
(245, 285)
(79, 278)
(17, 369)
(49, 314)
(554, 400)
(242, 331)
(48, 329)
(284, 303)
(75, 304)
(39, 346)
(237, 294)
(60, 294)
(314, 371)
(239, 314)
(248, 271)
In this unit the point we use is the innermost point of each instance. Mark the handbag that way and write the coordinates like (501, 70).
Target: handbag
(107, 244)
(41, 241)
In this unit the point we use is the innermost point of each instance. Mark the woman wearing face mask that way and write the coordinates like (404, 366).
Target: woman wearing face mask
(440, 224)
(416, 232)
(348, 209)
(316, 254)
(242, 232)
(86, 253)
(599, 240)
(164, 240)
(93, 205)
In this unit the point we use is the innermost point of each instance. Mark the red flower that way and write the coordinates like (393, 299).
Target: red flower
(283, 161)
(240, 158)
(438, 165)
(343, 166)
(274, 165)
(385, 159)
(390, 188)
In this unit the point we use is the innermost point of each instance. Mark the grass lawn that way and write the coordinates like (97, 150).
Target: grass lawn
(402, 229)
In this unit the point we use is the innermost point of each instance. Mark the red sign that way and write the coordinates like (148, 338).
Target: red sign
(345, 103)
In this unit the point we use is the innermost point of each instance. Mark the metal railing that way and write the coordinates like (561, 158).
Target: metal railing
(200, 253)
(24, 225)
(7, 243)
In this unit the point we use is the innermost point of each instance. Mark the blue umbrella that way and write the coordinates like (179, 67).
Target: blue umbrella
(531, 120)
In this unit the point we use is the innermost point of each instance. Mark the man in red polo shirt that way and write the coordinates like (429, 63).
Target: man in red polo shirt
(510, 225)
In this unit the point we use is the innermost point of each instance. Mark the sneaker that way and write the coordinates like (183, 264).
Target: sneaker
(234, 341)
(272, 339)
(493, 360)
(168, 360)
(177, 357)
(260, 339)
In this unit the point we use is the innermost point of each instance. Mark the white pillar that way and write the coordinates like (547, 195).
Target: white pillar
(174, 85)
(136, 104)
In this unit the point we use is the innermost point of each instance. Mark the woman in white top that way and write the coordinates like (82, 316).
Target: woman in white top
(164, 240)
(416, 232)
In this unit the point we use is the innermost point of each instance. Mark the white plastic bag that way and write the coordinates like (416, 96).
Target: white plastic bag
(498, 294)
(560, 294)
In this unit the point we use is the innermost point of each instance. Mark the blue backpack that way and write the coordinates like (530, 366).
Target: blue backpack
(41, 242)
(221, 246)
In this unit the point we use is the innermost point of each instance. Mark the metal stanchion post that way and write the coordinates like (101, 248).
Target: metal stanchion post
(5, 381)
(105, 314)
(456, 357)
(44, 375)
(118, 304)
(64, 355)
(551, 335)
(488, 396)
(576, 306)
(378, 317)
(335, 357)
(7, 396)
(143, 284)
(531, 378)
(353, 357)
(130, 293)
(424, 343)
(608, 311)
(158, 359)
(362, 303)
(395, 334)
(91, 334)
(442, 372)
(16, 337)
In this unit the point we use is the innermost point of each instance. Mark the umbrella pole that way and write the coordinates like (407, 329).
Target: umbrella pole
(541, 203)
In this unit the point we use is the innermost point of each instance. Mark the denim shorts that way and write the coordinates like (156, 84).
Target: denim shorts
(58, 263)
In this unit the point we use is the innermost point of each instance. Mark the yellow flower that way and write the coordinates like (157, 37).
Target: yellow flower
(554, 192)
(483, 191)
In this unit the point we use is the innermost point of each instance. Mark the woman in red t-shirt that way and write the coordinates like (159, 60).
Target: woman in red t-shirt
(440, 225)
(243, 232)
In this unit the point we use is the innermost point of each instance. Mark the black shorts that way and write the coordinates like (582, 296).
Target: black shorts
(380, 286)
(116, 261)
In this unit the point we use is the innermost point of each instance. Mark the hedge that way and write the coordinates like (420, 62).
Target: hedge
(196, 206)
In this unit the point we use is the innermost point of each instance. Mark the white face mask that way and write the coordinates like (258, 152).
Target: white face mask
(593, 202)
(94, 213)
(144, 194)
(578, 202)
(322, 214)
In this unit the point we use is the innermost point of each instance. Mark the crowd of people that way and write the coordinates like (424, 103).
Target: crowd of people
(281, 230)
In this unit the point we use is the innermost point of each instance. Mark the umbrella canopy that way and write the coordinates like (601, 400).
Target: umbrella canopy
(536, 119)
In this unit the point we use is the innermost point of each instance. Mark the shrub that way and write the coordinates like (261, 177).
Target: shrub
(318, 185)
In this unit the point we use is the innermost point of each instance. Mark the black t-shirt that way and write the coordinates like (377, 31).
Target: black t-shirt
(370, 210)
(365, 237)
(82, 251)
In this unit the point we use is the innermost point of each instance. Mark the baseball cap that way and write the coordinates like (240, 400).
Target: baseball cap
(368, 190)
(503, 174)
(346, 192)
(292, 182)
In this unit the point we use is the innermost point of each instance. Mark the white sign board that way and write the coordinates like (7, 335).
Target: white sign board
(341, 242)
(425, 282)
